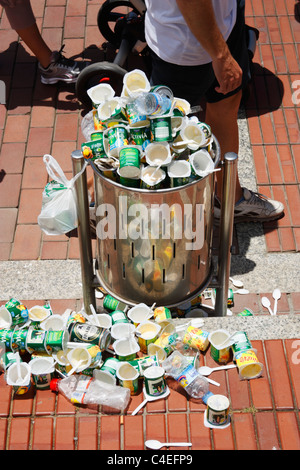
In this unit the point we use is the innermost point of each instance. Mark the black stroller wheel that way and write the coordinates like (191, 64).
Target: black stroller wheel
(101, 72)
(107, 18)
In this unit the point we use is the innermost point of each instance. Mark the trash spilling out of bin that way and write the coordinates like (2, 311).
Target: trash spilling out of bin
(92, 365)
(146, 138)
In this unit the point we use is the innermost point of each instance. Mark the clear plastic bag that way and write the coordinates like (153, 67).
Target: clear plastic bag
(59, 210)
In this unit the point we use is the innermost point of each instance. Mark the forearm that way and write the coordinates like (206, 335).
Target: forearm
(200, 18)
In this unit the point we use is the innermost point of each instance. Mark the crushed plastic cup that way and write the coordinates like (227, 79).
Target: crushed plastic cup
(182, 106)
(218, 352)
(53, 322)
(19, 377)
(42, 371)
(193, 135)
(100, 93)
(82, 358)
(158, 351)
(111, 109)
(148, 332)
(179, 172)
(39, 313)
(104, 376)
(152, 177)
(128, 377)
(104, 320)
(126, 349)
(5, 318)
(139, 313)
(135, 82)
(158, 154)
(201, 163)
(17, 313)
(122, 330)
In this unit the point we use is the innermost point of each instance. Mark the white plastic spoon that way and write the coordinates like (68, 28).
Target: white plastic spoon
(94, 315)
(276, 296)
(266, 303)
(236, 282)
(75, 367)
(20, 378)
(153, 444)
(241, 291)
(149, 398)
(205, 370)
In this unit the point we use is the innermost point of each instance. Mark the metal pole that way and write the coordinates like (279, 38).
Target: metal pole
(226, 230)
(84, 235)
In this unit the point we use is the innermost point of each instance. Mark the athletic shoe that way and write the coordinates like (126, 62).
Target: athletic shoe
(60, 69)
(253, 207)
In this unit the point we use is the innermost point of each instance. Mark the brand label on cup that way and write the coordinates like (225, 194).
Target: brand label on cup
(155, 383)
(161, 129)
(35, 340)
(19, 313)
(129, 162)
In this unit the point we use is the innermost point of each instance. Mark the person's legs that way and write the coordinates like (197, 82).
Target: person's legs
(222, 117)
(33, 39)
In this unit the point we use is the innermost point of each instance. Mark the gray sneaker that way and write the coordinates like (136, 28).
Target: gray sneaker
(60, 69)
(254, 207)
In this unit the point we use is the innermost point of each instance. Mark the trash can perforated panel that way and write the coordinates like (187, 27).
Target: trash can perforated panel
(154, 246)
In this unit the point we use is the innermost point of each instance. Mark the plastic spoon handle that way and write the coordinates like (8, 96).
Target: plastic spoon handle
(94, 315)
(266, 303)
(212, 382)
(173, 444)
(276, 296)
(19, 366)
(139, 407)
(231, 366)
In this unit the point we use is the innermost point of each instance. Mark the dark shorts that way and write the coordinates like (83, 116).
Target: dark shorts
(195, 82)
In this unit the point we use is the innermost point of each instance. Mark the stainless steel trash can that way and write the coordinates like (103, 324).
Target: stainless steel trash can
(155, 245)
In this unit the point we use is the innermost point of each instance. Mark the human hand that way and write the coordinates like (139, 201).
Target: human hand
(228, 73)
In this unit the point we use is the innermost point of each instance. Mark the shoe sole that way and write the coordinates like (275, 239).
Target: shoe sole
(53, 81)
(238, 220)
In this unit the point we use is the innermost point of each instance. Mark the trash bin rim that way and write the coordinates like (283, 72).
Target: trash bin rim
(162, 190)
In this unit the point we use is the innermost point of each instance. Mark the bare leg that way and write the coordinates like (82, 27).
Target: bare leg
(222, 117)
(33, 39)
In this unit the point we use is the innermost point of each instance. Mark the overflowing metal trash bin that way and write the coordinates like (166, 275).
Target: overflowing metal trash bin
(154, 245)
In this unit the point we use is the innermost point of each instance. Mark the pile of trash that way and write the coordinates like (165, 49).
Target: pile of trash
(145, 138)
(105, 358)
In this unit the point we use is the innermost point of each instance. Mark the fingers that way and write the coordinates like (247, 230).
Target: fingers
(229, 75)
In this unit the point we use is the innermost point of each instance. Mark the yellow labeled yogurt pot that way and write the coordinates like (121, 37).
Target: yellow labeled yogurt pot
(248, 364)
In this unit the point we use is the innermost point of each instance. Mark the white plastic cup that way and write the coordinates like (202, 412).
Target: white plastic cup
(201, 163)
(100, 93)
(128, 377)
(39, 313)
(5, 318)
(42, 371)
(193, 134)
(21, 384)
(126, 349)
(139, 313)
(104, 376)
(79, 359)
(104, 320)
(158, 154)
(148, 332)
(122, 330)
(135, 82)
(53, 322)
